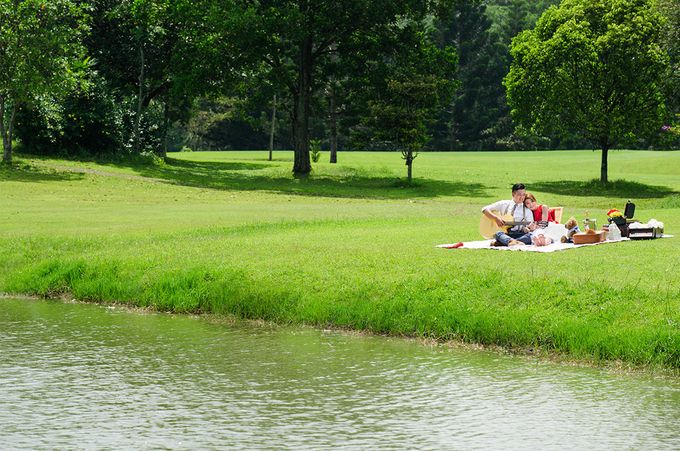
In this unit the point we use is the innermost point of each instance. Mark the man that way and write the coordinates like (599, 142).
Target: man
(517, 235)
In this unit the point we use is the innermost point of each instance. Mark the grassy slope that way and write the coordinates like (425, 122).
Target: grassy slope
(352, 246)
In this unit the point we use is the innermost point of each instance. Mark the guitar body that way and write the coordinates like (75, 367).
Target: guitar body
(488, 227)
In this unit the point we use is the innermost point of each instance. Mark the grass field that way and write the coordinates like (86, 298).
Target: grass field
(353, 246)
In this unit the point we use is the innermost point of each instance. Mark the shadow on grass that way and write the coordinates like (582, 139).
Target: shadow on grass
(265, 176)
(351, 184)
(204, 166)
(26, 173)
(593, 188)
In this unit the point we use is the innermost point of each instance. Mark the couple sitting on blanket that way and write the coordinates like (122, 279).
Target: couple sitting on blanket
(525, 210)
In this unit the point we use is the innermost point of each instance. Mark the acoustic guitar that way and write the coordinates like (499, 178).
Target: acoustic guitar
(488, 227)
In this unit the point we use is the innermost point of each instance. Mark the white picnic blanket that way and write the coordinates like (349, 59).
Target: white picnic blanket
(486, 244)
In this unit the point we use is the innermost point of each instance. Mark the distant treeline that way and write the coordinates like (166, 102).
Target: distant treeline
(161, 75)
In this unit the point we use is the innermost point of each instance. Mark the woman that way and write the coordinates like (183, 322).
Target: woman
(541, 212)
(541, 236)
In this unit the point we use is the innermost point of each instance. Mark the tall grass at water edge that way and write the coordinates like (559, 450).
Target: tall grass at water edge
(353, 246)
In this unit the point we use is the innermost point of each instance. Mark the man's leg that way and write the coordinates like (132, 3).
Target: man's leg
(502, 238)
(517, 238)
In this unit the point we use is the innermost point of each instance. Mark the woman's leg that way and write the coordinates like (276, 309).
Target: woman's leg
(526, 238)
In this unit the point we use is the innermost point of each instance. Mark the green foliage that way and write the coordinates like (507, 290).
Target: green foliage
(149, 59)
(670, 9)
(591, 67)
(478, 104)
(401, 115)
(671, 43)
(142, 49)
(219, 123)
(129, 40)
(84, 122)
(42, 55)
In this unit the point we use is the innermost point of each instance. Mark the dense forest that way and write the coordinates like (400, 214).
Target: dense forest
(135, 76)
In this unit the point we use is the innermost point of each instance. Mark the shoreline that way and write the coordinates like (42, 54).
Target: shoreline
(526, 353)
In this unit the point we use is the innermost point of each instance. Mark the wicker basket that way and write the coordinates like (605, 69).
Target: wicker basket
(589, 238)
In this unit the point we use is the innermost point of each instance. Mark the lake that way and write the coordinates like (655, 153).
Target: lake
(88, 376)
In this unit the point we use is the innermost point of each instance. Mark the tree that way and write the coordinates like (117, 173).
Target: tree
(418, 82)
(507, 18)
(292, 39)
(475, 105)
(671, 42)
(152, 53)
(135, 44)
(401, 116)
(138, 55)
(594, 67)
(40, 54)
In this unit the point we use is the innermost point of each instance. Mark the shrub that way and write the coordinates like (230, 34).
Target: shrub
(315, 147)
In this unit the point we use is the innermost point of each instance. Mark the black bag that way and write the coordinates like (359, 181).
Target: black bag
(629, 211)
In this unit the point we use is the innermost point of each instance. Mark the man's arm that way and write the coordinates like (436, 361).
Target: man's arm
(497, 219)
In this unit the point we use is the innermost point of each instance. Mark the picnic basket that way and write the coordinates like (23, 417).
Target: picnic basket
(589, 238)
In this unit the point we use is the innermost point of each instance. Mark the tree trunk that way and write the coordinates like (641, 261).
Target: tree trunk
(166, 126)
(451, 135)
(140, 100)
(603, 166)
(334, 128)
(302, 165)
(6, 130)
(409, 165)
(272, 130)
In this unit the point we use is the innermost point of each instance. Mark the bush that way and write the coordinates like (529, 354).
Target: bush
(84, 123)
(315, 147)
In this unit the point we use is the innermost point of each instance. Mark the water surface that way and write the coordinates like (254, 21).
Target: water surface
(85, 376)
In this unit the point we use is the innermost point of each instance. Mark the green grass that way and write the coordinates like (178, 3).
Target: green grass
(353, 246)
